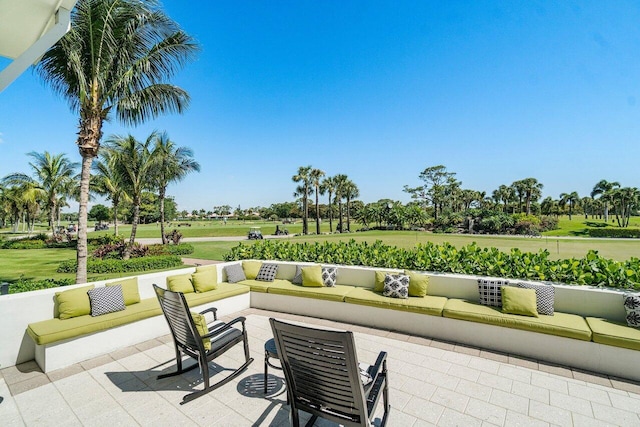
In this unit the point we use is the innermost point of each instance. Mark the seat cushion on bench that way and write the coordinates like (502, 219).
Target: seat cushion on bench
(333, 293)
(223, 290)
(560, 324)
(52, 330)
(262, 286)
(614, 333)
(431, 305)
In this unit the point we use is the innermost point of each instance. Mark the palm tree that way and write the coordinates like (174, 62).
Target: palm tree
(108, 182)
(115, 61)
(518, 188)
(340, 183)
(571, 198)
(171, 164)
(602, 188)
(53, 176)
(304, 176)
(350, 192)
(316, 175)
(532, 191)
(625, 200)
(134, 164)
(328, 185)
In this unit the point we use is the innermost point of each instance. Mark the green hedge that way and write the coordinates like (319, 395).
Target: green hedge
(120, 266)
(626, 233)
(23, 285)
(180, 249)
(471, 259)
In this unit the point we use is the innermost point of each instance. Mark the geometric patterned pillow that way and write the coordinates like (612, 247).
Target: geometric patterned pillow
(267, 272)
(106, 300)
(489, 290)
(396, 286)
(297, 279)
(235, 273)
(632, 307)
(329, 276)
(545, 296)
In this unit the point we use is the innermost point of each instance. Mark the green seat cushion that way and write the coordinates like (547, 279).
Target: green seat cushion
(224, 290)
(251, 268)
(519, 301)
(261, 286)
(560, 324)
(431, 305)
(205, 278)
(201, 325)
(417, 283)
(180, 283)
(73, 303)
(312, 276)
(614, 333)
(129, 290)
(334, 293)
(52, 330)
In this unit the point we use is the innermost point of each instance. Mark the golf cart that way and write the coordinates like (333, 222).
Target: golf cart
(255, 233)
(280, 232)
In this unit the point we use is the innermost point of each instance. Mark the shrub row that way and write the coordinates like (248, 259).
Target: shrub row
(627, 233)
(179, 249)
(24, 285)
(123, 266)
(471, 259)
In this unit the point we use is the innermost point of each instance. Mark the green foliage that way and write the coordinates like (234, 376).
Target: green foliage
(628, 233)
(24, 285)
(471, 259)
(105, 239)
(99, 213)
(30, 243)
(180, 249)
(123, 266)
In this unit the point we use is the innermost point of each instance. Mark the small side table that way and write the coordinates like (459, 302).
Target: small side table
(270, 351)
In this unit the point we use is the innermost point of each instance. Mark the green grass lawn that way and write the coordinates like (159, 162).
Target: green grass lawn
(578, 225)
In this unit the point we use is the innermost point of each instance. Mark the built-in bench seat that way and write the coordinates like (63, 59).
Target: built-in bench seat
(224, 290)
(335, 293)
(614, 333)
(431, 305)
(560, 324)
(54, 330)
(261, 286)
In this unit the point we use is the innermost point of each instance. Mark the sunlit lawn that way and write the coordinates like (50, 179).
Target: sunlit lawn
(578, 225)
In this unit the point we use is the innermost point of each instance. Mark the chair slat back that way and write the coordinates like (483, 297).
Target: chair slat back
(176, 311)
(321, 369)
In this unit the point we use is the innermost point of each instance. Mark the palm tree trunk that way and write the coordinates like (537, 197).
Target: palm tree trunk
(330, 214)
(81, 273)
(161, 201)
(340, 215)
(348, 215)
(305, 214)
(115, 217)
(52, 219)
(317, 211)
(134, 228)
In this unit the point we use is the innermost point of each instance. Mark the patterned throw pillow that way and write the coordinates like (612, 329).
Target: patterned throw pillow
(235, 273)
(396, 286)
(632, 307)
(267, 272)
(545, 296)
(106, 300)
(329, 276)
(489, 290)
(297, 279)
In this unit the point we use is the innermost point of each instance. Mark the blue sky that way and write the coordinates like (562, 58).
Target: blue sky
(495, 91)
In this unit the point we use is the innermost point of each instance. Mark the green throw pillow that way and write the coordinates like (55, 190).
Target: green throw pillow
(74, 302)
(129, 290)
(180, 283)
(379, 283)
(205, 280)
(201, 325)
(312, 276)
(251, 269)
(519, 301)
(417, 283)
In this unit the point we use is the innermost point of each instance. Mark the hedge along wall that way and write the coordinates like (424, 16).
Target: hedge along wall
(471, 259)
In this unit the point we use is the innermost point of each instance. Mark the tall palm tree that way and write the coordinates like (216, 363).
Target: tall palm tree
(316, 175)
(328, 185)
(350, 192)
(53, 176)
(134, 163)
(115, 61)
(171, 164)
(602, 188)
(108, 182)
(304, 177)
(341, 181)
(571, 198)
(532, 191)
(624, 200)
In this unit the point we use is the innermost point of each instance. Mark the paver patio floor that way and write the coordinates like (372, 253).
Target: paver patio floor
(431, 383)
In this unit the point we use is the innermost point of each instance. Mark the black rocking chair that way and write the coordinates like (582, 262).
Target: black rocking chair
(324, 378)
(188, 340)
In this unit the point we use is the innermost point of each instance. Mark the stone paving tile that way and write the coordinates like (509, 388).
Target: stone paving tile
(510, 401)
(443, 345)
(550, 414)
(590, 393)
(454, 418)
(561, 371)
(464, 349)
(60, 374)
(622, 384)
(615, 415)
(450, 399)
(495, 381)
(424, 409)
(580, 420)
(520, 420)
(21, 372)
(486, 412)
(474, 390)
(575, 404)
(494, 355)
(529, 391)
(524, 362)
(591, 377)
(96, 361)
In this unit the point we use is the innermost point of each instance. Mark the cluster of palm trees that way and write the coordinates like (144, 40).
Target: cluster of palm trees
(339, 188)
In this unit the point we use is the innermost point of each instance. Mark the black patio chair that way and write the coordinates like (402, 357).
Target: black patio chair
(324, 378)
(188, 340)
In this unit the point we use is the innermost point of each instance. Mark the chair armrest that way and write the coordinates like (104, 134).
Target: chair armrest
(211, 310)
(381, 362)
(226, 327)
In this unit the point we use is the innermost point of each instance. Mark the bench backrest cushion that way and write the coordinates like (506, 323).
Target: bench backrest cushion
(129, 290)
(74, 302)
